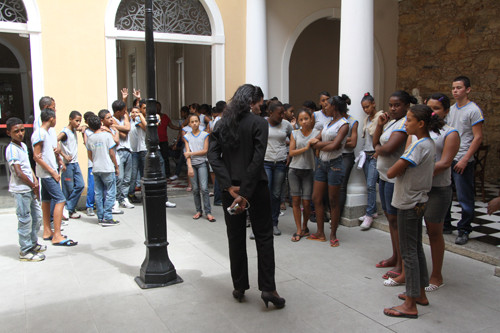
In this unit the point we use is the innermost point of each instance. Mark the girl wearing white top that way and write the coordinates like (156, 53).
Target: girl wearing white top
(196, 143)
(330, 173)
(301, 171)
(389, 142)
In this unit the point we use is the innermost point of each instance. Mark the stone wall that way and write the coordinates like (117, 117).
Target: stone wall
(441, 39)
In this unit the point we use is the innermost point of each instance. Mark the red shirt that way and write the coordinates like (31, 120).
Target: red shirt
(162, 127)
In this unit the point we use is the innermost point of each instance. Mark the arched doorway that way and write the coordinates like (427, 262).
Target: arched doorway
(189, 42)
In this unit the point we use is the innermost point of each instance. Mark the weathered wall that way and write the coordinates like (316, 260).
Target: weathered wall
(441, 39)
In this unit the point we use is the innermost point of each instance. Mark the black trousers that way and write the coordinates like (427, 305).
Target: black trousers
(164, 151)
(262, 226)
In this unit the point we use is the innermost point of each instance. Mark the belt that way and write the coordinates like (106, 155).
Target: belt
(275, 162)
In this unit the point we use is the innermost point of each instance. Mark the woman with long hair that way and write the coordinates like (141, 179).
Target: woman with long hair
(236, 152)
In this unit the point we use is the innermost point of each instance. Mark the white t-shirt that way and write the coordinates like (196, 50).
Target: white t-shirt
(49, 142)
(412, 187)
(100, 144)
(70, 145)
(463, 119)
(137, 137)
(384, 163)
(89, 133)
(329, 133)
(276, 142)
(15, 154)
(196, 143)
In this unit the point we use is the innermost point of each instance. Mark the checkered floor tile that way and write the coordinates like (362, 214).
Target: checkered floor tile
(486, 228)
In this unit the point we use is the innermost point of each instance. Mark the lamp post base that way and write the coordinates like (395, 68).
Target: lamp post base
(144, 285)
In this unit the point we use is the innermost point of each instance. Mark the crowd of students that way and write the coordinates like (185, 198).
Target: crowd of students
(413, 151)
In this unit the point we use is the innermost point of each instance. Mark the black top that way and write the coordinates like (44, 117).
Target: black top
(243, 165)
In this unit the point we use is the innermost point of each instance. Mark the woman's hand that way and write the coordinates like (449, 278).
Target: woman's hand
(383, 119)
(190, 172)
(188, 154)
(312, 142)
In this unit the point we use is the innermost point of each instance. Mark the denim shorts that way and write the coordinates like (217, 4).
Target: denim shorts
(331, 171)
(438, 203)
(51, 190)
(301, 182)
(386, 191)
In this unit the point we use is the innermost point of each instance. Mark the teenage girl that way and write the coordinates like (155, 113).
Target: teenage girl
(196, 143)
(348, 155)
(389, 142)
(329, 173)
(301, 171)
(370, 164)
(414, 176)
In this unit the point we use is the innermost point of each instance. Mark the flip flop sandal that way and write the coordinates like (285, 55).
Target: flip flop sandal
(197, 216)
(403, 298)
(433, 287)
(211, 219)
(50, 238)
(383, 264)
(400, 314)
(391, 274)
(315, 238)
(294, 237)
(334, 243)
(391, 283)
(66, 242)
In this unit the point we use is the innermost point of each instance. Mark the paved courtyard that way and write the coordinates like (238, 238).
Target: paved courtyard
(91, 288)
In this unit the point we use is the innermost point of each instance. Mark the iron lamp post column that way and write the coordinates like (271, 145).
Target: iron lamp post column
(157, 270)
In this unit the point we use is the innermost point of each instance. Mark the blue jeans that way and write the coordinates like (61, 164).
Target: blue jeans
(200, 184)
(105, 182)
(72, 185)
(464, 185)
(276, 172)
(123, 181)
(371, 176)
(29, 215)
(138, 159)
(90, 189)
(51, 191)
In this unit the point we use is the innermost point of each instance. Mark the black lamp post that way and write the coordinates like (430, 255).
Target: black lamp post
(157, 270)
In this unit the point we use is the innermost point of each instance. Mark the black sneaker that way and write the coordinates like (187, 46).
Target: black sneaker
(462, 238)
(133, 199)
(108, 223)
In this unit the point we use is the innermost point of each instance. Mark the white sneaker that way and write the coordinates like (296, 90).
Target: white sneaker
(116, 205)
(126, 204)
(116, 211)
(65, 215)
(174, 177)
(169, 204)
(367, 223)
(362, 218)
(90, 211)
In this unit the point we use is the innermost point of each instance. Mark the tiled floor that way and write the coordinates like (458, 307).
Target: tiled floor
(486, 228)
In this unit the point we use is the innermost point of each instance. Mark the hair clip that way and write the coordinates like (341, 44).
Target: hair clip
(367, 94)
(433, 114)
(441, 98)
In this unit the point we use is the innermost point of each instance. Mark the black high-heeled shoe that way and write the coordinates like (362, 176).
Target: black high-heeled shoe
(269, 296)
(239, 294)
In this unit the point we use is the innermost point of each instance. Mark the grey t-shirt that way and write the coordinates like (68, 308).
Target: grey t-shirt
(412, 187)
(89, 133)
(385, 162)
(197, 143)
(124, 142)
(16, 154)
(329, 133)
(306, 159)
(137, 137)
(463, 119)
(351, 121)
(48, 155)
(321, 120)
(368, 139)
(276, 143)
(100, 144)
(70, 145)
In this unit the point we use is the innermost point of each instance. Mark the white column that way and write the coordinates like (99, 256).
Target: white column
(356, 76)
(256, 45)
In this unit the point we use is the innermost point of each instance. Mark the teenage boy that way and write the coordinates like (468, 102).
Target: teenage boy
(122, 124)
(101, 152)
(72, 179)
(86, 133)
(468, 119)
(47, 159)
(24, 186)
(108, 125)
(137, 137)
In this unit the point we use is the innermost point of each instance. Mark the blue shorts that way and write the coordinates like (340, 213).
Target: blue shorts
(331, 171)
(51, 190)
(386, 190)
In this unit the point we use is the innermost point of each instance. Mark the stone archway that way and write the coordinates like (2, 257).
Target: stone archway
(215, 40)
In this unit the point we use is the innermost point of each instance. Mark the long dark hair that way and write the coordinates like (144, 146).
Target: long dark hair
(431, 120)
(238, 106)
